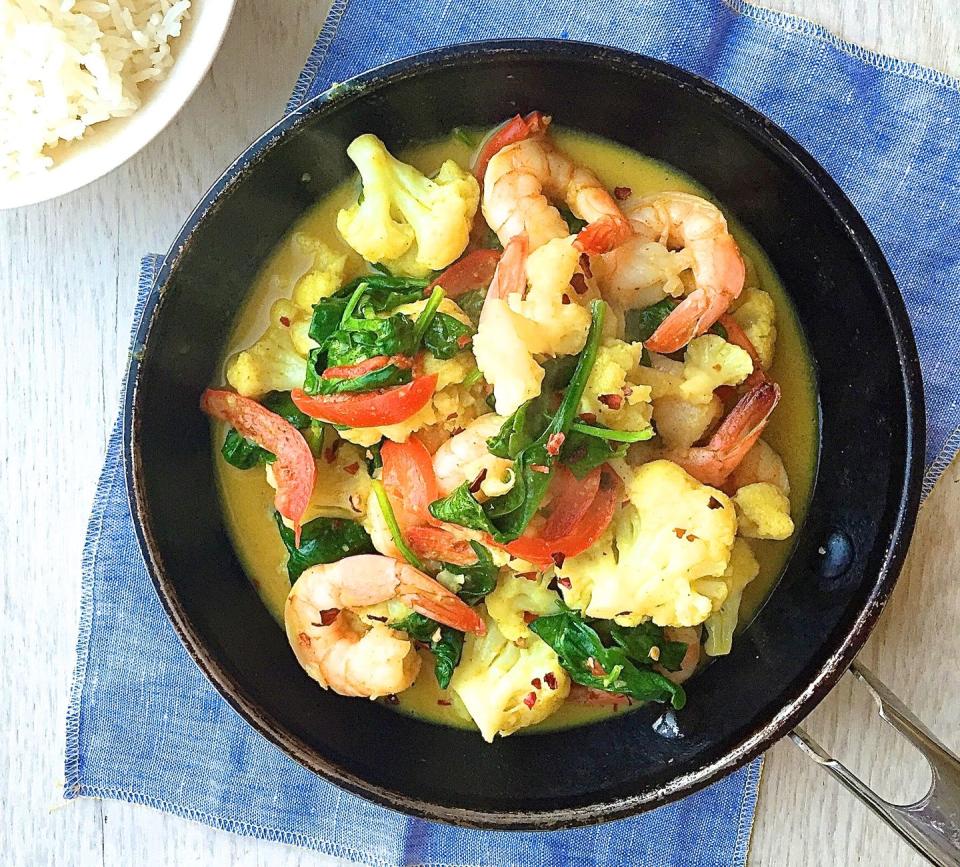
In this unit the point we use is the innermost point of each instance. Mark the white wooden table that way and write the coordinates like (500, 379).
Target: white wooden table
(67, 284)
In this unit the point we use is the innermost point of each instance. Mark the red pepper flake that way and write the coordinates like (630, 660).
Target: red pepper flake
(680, 532)
(691, 537)
(304, 639)
(622, 193)
(596, 669)
(530, 576)
(627, 391)
(443, 702)
(714, 503)
(540, 468)
(330, 453)
(529, 617)
(328, 615)
(352, 469)
(614, 401)
(551, 679)
(536, 683)
(588, 417)
(585, 264)
(579, 283)
(555, 443)
(478, 481)
(565, 299)
(558, 558)
(530, 700)
(391, 699)
(456, 430)
(285, 321)
(463, 341)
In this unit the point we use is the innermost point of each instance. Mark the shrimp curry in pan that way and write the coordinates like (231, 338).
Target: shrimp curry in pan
(516, 430)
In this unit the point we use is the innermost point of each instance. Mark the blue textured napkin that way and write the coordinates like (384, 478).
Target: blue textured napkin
(157, 733)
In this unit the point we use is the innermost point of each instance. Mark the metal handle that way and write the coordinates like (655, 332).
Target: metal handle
(932, 824)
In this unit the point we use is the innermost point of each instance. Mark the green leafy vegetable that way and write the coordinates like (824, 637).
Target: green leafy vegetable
(446, 336)
(582, 453)
(322, 540)
(385, 292)
(280, 403)
(640, 324)
(471, 303)
(506, 517)
(605, 433)
(391, 520)
(591, 664)
(479, 578)
(447, 648)
(575, 224)
(637, 641)
(426, 317)
(242, 453)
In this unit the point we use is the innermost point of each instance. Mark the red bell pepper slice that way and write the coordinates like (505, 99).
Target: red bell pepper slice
(473, 271)
(352, 371)
(368, 409)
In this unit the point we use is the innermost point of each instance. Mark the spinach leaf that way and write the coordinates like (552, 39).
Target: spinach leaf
(575, 224)
(582, 453)
(384, 377)
(460, 507)
(280, 403)
(446, 336)
(479, 578)
(242, 453)
(615, 436)
(640, 324)
(322, 540)
(471, 303)
(637, 641)
(506, 517)
(591, 664)
(327, 314)
(447, 648)
(385, 292)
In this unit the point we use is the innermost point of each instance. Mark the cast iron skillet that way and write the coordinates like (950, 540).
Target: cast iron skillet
(866, 495)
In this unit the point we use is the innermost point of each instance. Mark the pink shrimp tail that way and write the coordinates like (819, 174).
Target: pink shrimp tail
(431, 599)
(603, 235)
(511, 273)
(712, 463)
(693, 316)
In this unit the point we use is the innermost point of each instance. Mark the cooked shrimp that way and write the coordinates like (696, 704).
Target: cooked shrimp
(523, 177)
(465, 457)
(714, 462)
(689, 635)
(760, 464)
(337, 650)
(698, 231)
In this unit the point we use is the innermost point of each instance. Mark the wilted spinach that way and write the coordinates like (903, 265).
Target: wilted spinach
(446, 336)
(242, 453)
(446, 647)
(322, 540)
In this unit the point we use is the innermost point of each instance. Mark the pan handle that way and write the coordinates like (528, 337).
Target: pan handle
(932, 824)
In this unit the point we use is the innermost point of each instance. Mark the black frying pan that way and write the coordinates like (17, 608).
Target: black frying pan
(863, 507)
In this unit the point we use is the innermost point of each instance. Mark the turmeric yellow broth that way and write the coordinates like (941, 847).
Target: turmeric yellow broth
(248, 500)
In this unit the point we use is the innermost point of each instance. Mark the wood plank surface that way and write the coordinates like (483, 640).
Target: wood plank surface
(67, 278)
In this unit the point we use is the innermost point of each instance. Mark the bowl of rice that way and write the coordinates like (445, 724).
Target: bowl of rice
(85, 84)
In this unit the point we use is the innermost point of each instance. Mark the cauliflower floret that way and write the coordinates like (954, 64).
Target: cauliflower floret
(757, 316)
(720, 625)
(513, 330)
(763, 512)
(611, 395)
(514, 596)
(341, 488)
(681, 423)
(408, 222)
(276, 362)
(662, 556)
(324, 275)
(495, 682)
(710, 362)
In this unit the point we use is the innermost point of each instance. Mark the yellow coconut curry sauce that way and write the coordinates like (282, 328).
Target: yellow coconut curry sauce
(248, 501)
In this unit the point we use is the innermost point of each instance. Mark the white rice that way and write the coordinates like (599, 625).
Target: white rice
(67, 64)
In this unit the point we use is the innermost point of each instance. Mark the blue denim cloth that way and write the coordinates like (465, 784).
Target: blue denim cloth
(144, 725)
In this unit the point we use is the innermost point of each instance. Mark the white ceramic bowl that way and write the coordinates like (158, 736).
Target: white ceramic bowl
(108, 144)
